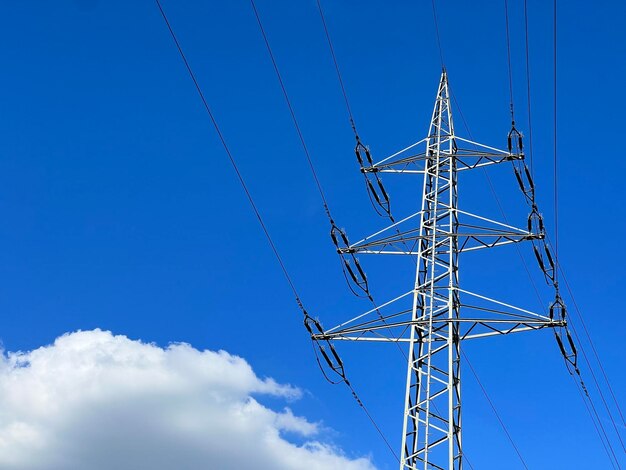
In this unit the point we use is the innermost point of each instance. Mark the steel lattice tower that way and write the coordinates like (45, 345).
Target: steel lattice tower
(438, 314)
(435, 317)
(434, 356)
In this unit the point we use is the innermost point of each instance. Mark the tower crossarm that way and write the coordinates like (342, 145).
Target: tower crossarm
(485, 317)
(475, 328)
(473, 232)
(411, 161)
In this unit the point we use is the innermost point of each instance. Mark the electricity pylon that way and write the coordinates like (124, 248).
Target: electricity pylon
(439, 314)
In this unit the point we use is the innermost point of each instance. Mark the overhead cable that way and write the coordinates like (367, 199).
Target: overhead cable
(333, 359)
(230, 155)
(558, 267)
(357, 276)
(508, 54)
(291, 111)
(591, 343)
(528, 94)
(373, 183)
(548, 266)
(556, 173)
(332, 52)
(495, 412)
(437, 35)
(569, 359)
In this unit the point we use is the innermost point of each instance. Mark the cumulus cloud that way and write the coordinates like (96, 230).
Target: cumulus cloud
(94, 401)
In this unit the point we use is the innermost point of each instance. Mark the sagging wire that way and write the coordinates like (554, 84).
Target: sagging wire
(593, 348)
(559, 268)
(353, 272)
(331, 358)
(495, 411)
(508, 53)
(547, 262)
(336, 233)
(543, 253)
(339, 238)
(378, 196)
(586, 399)
(335, 363)
(528, 94)
(373, 183)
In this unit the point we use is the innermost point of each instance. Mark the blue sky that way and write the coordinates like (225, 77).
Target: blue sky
(121, 212)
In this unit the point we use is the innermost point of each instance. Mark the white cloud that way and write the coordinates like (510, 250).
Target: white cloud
(96, 401)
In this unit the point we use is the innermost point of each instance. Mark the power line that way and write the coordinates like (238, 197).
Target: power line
(595, 380)
(556, 173)
(255, 208)
(509, 64)
(305, 148)
(508, 54)
(436, 19)
(495, 411)
(581, 392)
(591, 343)
(332, 52)
(499, 204)
(593, 411)
(266, 232)
(556, 243)
(597, 415)
(528, 95)
(321, 193)
(230, 155)
(591, 371)
(527, 271)
(291, 111)
(559, 268)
